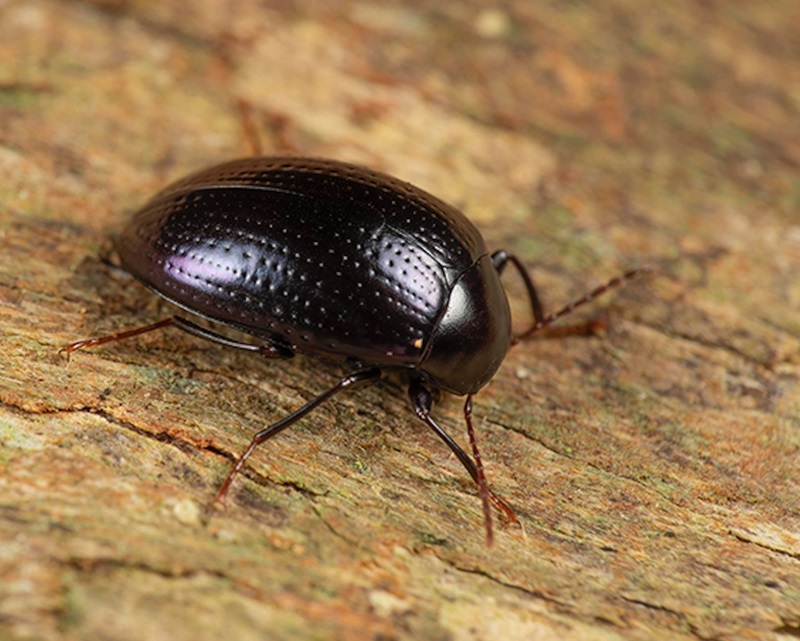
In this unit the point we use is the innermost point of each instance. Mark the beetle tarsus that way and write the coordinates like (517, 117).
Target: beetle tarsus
(483, 487)
(113, 338)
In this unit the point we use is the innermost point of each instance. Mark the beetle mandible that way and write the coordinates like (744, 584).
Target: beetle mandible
(336, 261)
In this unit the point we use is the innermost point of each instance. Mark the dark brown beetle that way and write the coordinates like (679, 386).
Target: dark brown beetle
(337, 261)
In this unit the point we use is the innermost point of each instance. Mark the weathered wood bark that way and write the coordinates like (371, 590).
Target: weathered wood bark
(654, 468)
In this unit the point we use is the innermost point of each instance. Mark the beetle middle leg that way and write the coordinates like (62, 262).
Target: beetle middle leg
(357, 379)
(422, 400)
(268, 349)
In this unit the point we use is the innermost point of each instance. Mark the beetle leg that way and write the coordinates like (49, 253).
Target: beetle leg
(500, 259)
(268, 350)
(583, 300)
(422, 401)
(356, 379)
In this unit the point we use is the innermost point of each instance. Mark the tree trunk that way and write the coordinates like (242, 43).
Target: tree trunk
(653, 466)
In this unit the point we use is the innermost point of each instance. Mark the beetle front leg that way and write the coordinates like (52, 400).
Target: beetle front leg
(422, 401)
(501, 257)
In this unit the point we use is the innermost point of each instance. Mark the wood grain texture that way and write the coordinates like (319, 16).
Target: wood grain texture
(654, 468)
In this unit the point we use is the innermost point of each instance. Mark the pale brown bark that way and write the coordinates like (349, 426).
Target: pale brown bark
(654, 469)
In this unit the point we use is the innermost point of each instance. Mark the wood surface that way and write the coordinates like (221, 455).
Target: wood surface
(654, 467)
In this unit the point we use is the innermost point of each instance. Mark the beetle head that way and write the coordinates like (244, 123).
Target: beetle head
(473, 334)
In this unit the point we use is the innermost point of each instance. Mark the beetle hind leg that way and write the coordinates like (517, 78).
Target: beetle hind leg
(268, 349)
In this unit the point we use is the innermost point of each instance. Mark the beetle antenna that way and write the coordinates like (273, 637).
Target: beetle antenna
(583, 300)
(483, 486)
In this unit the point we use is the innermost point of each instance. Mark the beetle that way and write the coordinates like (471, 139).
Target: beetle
(336, 261)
